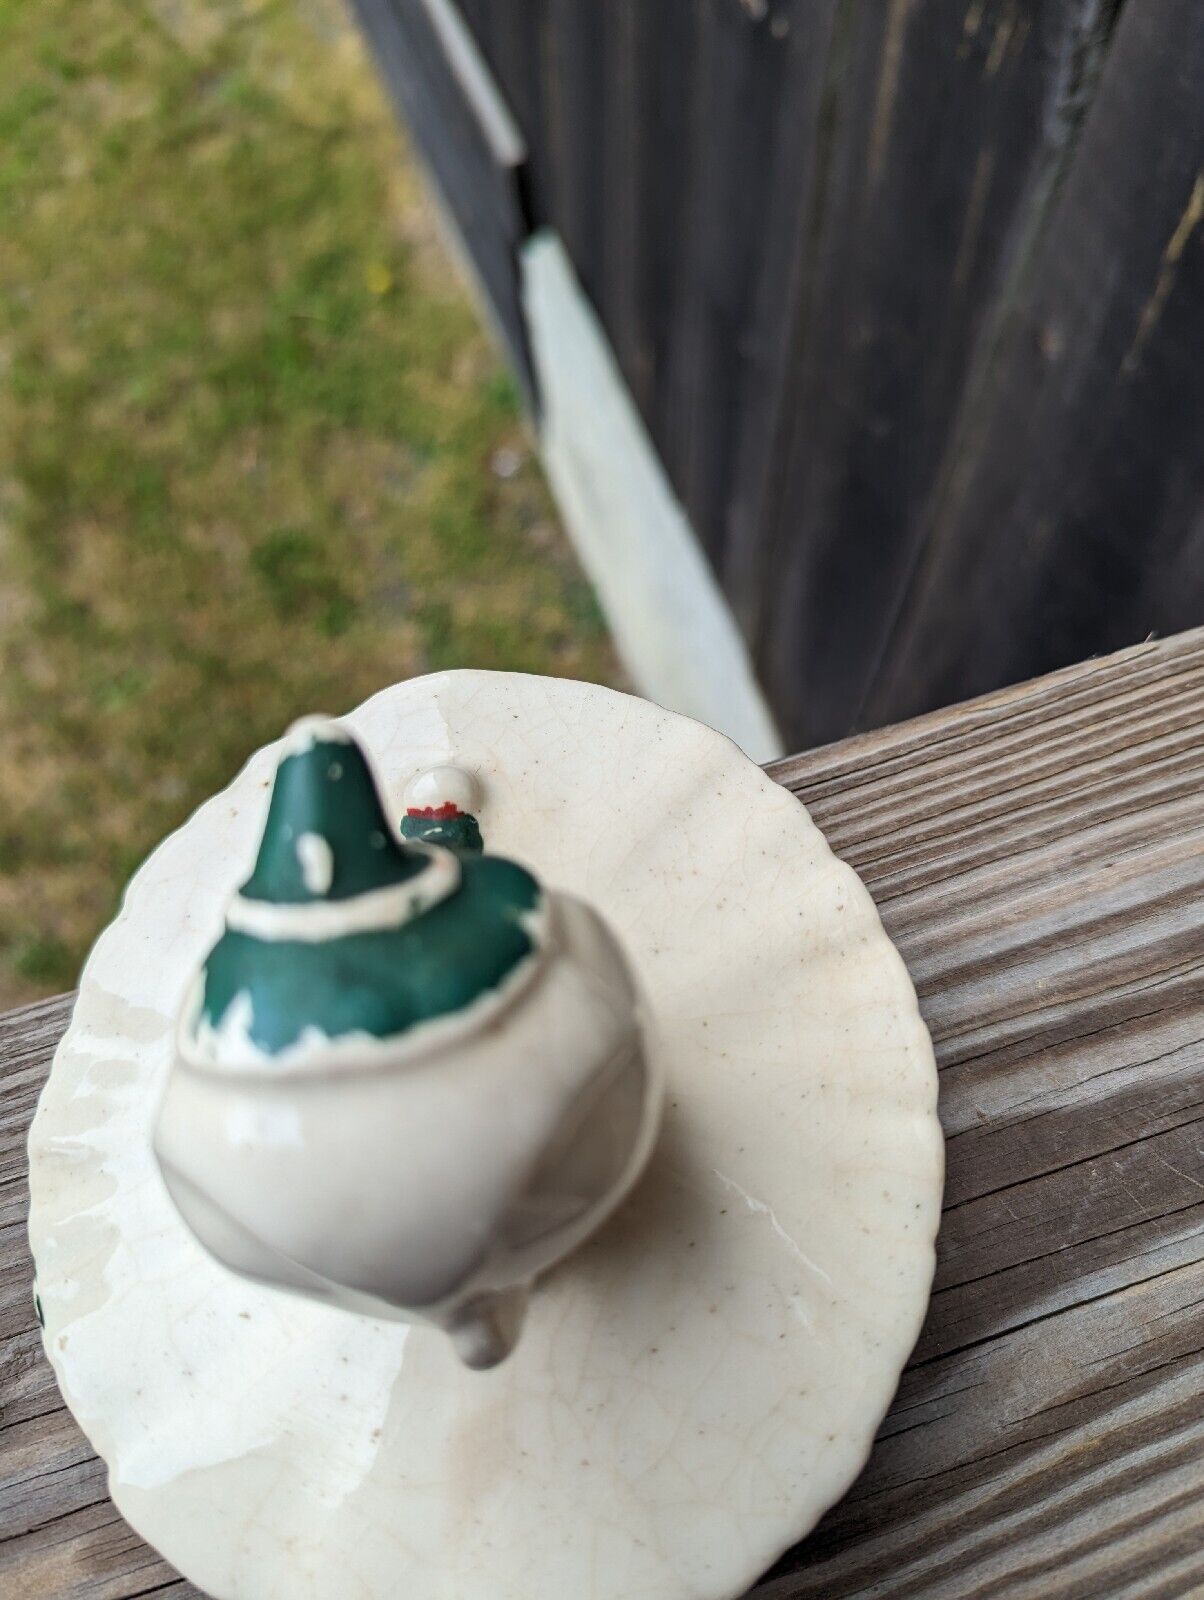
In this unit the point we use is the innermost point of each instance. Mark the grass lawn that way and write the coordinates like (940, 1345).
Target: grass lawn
(256, 457)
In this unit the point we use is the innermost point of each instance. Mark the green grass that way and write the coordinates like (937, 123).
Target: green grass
(247, 421)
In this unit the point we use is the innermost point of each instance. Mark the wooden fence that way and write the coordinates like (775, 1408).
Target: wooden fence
(910, 294)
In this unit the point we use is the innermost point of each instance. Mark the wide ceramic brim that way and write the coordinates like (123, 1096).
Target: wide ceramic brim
(699, 1383)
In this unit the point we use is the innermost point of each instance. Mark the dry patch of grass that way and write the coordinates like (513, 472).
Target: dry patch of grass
(248, 433)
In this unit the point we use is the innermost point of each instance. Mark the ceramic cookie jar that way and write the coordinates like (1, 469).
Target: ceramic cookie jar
(494, 1156)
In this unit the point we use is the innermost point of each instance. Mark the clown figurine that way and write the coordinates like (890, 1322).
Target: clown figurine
(408, 1078)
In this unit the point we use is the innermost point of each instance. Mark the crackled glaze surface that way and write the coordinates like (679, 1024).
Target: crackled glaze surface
(698, 1383)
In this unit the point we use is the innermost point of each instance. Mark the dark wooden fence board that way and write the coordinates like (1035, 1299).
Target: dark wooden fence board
(654, 165)
(604, 94)
(782, 302)
(909, 295)
(513, 39)
(60, 1535)
(944, 171)
(1070, 517)
(1038, 858)
(746, 89)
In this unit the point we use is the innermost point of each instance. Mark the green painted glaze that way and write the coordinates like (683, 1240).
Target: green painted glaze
(328, 790)
(385, 982)
(461, 833)
(381, 982)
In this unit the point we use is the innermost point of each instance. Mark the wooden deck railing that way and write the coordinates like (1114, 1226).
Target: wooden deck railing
(1038, 857)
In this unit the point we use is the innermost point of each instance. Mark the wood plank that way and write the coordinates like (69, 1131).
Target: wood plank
(781, 298)
(753, 92)
(511, 36)
(573, 61)
(651, 168)
(59, 1532)
(909, 297)
(1069, 512)
(807, 226)
(604, 95)
(1038, 857)
(950, 127)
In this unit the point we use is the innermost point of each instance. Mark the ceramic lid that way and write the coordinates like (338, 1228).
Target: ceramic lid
(696, 1385)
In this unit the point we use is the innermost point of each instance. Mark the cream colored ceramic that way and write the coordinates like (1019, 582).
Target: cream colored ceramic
(697, 1383)
(430, 1174)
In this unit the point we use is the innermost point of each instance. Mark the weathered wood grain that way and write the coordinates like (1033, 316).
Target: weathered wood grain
(952, 126)
(603, 92)
(59, 1533)
(1067, 513)
(910, 298)
(1038, 857)
(750, 76)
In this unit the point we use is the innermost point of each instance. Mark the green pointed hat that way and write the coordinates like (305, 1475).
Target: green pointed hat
(343, 929)
(326, 837)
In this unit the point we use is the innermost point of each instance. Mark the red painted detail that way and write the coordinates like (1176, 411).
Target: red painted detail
(443, 813)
